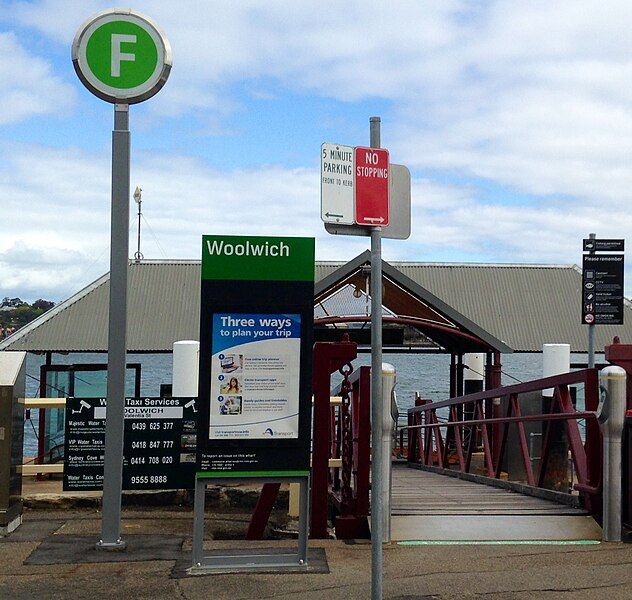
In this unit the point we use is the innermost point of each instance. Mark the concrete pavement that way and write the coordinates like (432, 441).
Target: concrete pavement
(446, 572)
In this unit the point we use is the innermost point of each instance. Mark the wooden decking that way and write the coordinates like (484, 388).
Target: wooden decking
(418, 492)
(428, 506)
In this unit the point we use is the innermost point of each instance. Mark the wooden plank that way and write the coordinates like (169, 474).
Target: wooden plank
(33, 469)
(43, 402)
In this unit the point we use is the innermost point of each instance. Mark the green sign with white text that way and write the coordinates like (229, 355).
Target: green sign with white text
(257, 258)
(121, 56)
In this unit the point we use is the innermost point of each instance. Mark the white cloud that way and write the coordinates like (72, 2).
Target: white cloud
(57, 239)
(460, 221)
(529, 97)
(28, 86)
(531, 94)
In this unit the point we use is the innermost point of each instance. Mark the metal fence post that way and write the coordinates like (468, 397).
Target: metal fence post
(612, 415)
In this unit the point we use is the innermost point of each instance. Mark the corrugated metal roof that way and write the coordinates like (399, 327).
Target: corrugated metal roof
(523, 305)
(163, 307)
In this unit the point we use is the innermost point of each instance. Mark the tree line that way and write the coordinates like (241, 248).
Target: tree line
(15, 313)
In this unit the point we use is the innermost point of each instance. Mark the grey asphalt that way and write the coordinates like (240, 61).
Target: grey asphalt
(410, 572)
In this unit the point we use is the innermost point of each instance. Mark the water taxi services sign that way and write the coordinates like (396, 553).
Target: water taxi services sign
(121, 56)
(256, 325)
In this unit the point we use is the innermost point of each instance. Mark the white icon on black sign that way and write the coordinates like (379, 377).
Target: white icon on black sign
(590, 274)
(82, 404)
(590, 285)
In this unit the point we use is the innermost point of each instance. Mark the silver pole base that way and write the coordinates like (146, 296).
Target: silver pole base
(117, 546)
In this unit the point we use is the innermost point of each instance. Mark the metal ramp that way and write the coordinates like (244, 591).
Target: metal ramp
(428, 506)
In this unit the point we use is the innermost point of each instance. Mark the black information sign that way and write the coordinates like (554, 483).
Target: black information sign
(256, 338)
(159, 443)
(604, 245)
(602, 289)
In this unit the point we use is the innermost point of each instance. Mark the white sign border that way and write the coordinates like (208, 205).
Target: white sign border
(345, 219)
(108, 93)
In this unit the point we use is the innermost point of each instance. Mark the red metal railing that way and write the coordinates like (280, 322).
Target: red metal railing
(350, 434)
(329, 357)
(441, 443)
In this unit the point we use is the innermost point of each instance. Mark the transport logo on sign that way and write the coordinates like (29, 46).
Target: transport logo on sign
(121, 56)
(371, 187)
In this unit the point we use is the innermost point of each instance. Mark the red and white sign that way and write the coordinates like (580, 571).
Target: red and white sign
(371, 187)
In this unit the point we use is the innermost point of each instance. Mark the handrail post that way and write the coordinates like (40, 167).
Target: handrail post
(496, 380)
(328, 357)
(612, 416)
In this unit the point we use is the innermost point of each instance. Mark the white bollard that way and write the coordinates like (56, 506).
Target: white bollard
(556, 360)
(388, 385)
(612, 415)
(475, 368)
(186, 360)
(474, 373)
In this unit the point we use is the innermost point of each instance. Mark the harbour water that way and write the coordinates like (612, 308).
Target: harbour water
(426, 373)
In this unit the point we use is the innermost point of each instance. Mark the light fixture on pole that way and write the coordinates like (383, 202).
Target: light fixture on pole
(138, 199)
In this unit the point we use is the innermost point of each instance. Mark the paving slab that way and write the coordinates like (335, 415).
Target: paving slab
(316, 561)
(74, 549)
(33, 531)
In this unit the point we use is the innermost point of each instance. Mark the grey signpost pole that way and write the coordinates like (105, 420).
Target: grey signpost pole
(122, 78)
(398, 227)
(591, 327)
(376, 395)
(117, 338)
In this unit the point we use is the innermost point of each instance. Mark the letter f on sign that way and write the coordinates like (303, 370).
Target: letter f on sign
(117, 55)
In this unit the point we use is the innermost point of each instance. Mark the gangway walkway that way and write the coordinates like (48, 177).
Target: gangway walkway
(479, 437)
(430, 506)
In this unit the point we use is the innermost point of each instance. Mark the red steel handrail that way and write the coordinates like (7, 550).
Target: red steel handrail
(350, 483)
(427, 446)
(328, 358)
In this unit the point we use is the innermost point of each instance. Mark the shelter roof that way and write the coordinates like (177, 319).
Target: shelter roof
(520, 306)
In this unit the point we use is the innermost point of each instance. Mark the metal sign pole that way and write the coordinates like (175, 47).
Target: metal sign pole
(376, 395)
(122, 78)
(117, 340)
(591, 327)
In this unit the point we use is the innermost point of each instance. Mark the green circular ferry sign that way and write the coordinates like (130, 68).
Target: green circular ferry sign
(121, 56)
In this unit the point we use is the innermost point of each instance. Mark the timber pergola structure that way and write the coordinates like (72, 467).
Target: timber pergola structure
(406, 303)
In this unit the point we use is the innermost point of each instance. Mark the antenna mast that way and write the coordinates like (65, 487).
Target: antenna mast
(138, 256)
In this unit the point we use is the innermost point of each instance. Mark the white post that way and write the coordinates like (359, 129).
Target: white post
(556, 360)
(613, 380)
(474, 372)
(186, 361)
(388, 384)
